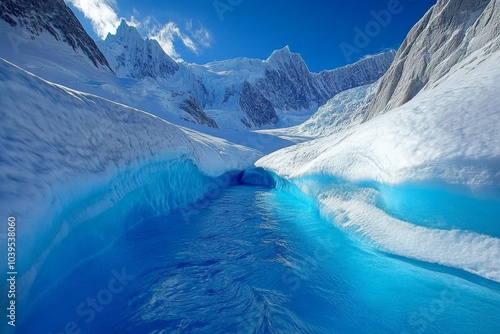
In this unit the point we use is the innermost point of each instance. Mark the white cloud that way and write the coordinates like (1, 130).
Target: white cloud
(167, 34)
(105, 19)
(101, 14)
(203, 37)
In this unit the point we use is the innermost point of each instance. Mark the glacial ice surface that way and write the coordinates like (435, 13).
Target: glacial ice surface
(70, 157)
(444, 144)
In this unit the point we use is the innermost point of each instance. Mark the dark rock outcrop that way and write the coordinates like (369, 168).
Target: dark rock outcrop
(289, 85)
(258, 109)
(193, 108)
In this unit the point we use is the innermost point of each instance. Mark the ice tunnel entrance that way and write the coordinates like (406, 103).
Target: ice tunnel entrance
(258, 177)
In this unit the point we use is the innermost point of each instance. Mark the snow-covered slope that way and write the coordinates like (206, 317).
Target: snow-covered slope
(63, 150)
(423, 180)
(340, 113)
(448, 33)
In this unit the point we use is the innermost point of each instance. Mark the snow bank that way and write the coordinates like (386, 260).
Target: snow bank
(449, 134)
(68, 157)
(446, 138)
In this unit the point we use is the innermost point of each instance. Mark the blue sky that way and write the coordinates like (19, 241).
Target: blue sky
(327, 34)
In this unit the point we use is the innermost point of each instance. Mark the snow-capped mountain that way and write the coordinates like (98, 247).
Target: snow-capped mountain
(130, 55)
(47, 38)
(290, 85)
(251, 91)
(159, 76)
(237, 93)
(448, 33)
(284, 81)
(52, 17)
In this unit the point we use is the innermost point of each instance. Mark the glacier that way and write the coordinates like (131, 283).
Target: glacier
(342, 112)
(82, 163)
(445, 140)
(93, 149)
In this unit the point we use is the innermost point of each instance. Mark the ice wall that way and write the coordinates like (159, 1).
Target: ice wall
(382, 180)
(77, 169)
(412, 227)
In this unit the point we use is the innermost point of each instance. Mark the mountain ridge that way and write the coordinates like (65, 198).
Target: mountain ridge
(251, 93)
(55, 18)
(280, 83)
(456, 29)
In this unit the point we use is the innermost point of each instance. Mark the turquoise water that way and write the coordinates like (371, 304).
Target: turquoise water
(257, 260)
(436, 208)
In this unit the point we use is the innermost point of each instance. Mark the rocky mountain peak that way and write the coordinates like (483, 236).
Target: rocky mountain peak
(284, 56)
(125, 32)
(131, 55)
(55, 18)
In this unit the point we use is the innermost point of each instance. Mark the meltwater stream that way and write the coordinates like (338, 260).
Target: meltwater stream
(257, 260)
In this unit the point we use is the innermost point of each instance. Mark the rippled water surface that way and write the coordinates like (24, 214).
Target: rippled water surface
(256, 260)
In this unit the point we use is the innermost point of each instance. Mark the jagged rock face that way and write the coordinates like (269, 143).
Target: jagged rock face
(258, 109)
(289, 85)
(130, 55)
(285, 81)
(288, 82)
(450, 31)
(54, 17)
(363, 72)
(193, 108)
